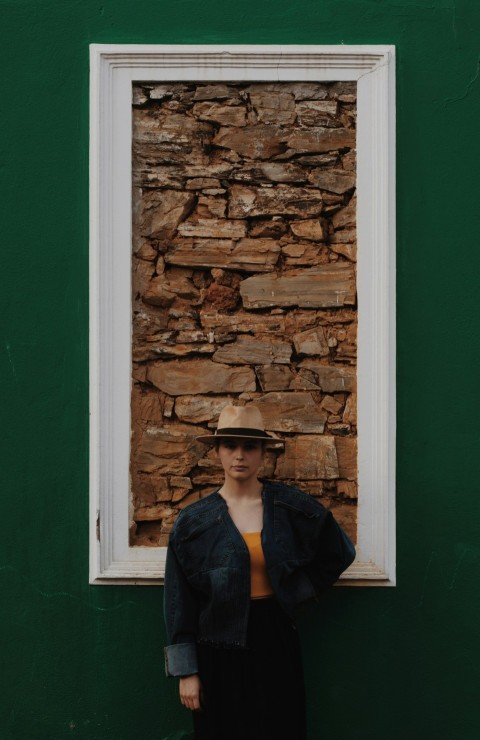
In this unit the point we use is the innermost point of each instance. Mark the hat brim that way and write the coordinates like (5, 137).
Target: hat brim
(269, 439)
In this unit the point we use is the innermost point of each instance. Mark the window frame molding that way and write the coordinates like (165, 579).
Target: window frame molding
(113, 68)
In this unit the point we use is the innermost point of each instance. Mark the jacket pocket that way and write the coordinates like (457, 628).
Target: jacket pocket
(204, 546)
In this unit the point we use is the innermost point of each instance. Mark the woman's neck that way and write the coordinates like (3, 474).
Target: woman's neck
(233, 490)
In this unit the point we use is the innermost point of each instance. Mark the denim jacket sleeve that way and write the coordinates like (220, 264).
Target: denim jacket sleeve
(181, 612)
(333, 554)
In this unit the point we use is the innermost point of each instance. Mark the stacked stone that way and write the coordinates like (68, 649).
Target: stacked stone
(244, 287)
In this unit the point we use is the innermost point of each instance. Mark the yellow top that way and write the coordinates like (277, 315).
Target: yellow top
(260, 586)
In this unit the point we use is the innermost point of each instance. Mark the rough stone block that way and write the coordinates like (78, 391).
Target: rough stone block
(163, 211)
(152, 513)
(346, 516)
(226, 115)
(147, 405)
(310, 111)
(330, 379)
(162, 291)
(309, 457)
(274, 228)
(274, 377)
(184, 498)
(303, 254)
(313, 229)
(331, 404)
(335, 181)
(346, 250)
(347, 488)
(278, 107)
(171, 450)
(345, 218)
(350, 413)
(311, 342)
(344, 236)
(347, 457)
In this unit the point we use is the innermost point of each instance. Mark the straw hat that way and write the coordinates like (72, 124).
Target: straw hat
(240, 421)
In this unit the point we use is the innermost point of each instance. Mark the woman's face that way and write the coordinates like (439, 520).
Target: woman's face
(240, 458)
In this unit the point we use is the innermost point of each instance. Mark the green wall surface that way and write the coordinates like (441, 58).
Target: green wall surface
(82, 661)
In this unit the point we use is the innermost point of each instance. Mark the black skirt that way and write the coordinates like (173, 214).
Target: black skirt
(255, 693)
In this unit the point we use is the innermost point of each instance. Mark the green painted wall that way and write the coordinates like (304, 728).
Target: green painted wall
(382, 664)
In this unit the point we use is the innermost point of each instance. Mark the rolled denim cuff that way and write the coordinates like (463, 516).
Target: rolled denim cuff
(181, 659)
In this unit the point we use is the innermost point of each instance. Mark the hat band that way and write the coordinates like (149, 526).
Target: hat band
(241, 432)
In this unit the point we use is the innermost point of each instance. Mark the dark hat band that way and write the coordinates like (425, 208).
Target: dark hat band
(241, 432)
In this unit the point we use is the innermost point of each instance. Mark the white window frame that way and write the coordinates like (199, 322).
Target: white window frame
(113, 69)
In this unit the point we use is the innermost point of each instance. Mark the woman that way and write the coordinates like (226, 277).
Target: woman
(238, 563)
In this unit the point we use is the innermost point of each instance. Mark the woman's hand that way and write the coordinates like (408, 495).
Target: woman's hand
(191, 692)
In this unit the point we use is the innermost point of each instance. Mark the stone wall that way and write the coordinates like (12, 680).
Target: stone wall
(243, 287)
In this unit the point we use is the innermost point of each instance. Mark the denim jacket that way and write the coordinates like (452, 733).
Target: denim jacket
(207, 578)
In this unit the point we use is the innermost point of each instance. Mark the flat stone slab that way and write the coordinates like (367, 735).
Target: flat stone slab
(254, 142)
(241, 320)
(283, 200)
(291, 412)
(300, 90)
(250, 255)
(331, 285)
(200, 376)
(270, 171)
(226, 115)
(176, 129)
(321, 139)
(254, 351)
(216, 228)
(215, 92)
(197, 409)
